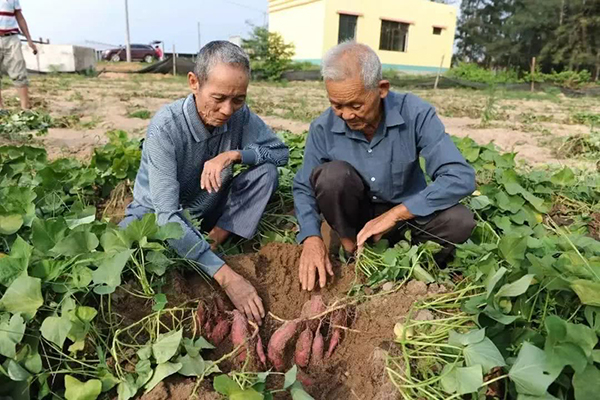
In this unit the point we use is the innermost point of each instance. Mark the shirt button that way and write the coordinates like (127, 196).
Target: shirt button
(370, 151)
(373, 179)
(374, 197)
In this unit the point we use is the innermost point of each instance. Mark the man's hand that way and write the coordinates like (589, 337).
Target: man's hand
(211, 175)
(381, 225)
(314, 258)
(33, 46)
(241, 293)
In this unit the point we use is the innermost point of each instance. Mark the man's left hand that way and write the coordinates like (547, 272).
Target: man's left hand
(211, 175)
(377, 227)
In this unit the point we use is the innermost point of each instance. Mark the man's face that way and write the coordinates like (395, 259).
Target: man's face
(358, 106)
(223, 93)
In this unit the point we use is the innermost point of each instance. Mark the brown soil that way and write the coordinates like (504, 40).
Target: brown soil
(357, 368)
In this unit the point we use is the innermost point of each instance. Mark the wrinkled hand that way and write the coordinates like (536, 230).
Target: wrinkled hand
(241, 293)
(33, 47)
(211, 174)
(377, 227)
(314, 258)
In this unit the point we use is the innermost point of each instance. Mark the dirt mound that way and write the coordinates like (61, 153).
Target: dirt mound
(356, 370)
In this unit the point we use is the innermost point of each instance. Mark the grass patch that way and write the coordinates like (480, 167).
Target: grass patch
(141, 114)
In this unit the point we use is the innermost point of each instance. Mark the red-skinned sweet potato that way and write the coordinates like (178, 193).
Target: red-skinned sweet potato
(220, 331)
(260, 352)
(311, 308)
(303, 347)
(318, 346)
(278, 343)
(239, 333)
(200, 315)
(338, 319)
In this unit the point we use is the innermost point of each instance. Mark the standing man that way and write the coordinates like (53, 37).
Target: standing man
(187, 167)
(361, 167)
(11, 55)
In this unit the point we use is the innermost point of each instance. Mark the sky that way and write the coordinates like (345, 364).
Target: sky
(172, 21)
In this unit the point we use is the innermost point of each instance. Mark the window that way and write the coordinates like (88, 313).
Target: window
(393, 36)
(347, 27)
(437, 31)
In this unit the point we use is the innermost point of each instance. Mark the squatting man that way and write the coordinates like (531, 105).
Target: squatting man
(361, 170)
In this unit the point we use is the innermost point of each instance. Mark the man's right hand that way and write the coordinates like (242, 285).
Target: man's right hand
(241, 293)
(314, 258)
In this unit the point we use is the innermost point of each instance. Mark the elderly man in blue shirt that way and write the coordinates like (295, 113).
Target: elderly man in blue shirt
(361, 169)
(187, 167)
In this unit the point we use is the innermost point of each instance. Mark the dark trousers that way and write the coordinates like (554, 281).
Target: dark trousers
(343, 198)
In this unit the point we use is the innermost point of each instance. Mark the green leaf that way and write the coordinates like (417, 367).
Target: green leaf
(24, 296)
(29, 356)
(160, 300)
(45, 234)
(56, 329)
(587, 291)
(115, 241)
(18, 261)
(531, 373)
(536, 202)
(166, 345)
(108, 380)
(144, 228)
(161, 372)
(485, 354)
(480, 202)
(191, 366)
(225, 385)
(496, 315)
(172, 230)
(76, 243)
(77, 390)
(157, 263)
(110, 269)
(563, 177)
(461, 380)
(298, 393)
(290, 377)
(493, 280)
(127, 388)
(587, 383)
(512, 248)
(516, 288)
(145, 352)
(11, 334)
(143, 369)
(465, 339)
(512, 204)
(15, 371)
(10, 224)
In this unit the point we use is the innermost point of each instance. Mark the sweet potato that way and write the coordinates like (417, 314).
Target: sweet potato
(338, 319)
(260, 352)
(220, 331)
(318, 346)
(303, 347)
(311, 308)
(200, 315)
(278, 343)
(239, 333)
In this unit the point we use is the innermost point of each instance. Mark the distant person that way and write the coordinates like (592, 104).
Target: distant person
(187, 167)
(159, 53)
(11, 55)
(361, 169)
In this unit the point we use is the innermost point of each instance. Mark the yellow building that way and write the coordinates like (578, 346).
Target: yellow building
(408, 35)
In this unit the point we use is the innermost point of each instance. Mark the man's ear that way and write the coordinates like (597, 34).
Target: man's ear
(193, 82)
(384, 88)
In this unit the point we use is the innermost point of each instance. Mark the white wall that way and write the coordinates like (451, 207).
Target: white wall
(59, 58)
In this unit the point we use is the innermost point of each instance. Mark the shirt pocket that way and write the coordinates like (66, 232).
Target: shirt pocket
(402, 169)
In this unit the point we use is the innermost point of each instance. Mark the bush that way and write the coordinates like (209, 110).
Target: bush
(475, 73)
(568, 78)
(302, 66)
(269, 54)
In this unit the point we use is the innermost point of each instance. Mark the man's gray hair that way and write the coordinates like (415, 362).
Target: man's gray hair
(217, 52)
(349, 58)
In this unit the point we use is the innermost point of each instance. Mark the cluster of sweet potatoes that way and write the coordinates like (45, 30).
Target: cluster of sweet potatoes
(309, 332)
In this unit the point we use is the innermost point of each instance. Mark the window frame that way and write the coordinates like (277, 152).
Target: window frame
(342, 15)
(437, 31)
(388, 37)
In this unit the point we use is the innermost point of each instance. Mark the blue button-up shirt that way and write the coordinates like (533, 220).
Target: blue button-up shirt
(389, 163)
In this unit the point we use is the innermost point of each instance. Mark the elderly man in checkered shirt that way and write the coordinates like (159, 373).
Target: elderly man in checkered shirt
(187, 165)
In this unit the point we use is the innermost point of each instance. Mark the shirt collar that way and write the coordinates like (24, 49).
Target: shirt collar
(392, 115)
(197, 127)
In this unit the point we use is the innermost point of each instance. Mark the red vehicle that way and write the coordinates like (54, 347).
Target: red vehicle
(139, 52)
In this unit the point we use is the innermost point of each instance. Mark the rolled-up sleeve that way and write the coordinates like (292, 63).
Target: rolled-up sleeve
(164, 192)
(260, 144)
(305, 202)
(453, 178)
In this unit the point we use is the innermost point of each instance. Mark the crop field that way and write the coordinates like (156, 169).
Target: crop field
(90, 311)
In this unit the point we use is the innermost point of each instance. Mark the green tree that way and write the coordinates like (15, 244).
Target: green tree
(269, 55)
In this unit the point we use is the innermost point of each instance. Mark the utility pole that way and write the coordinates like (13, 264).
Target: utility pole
(199, 38)
(127, 38)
